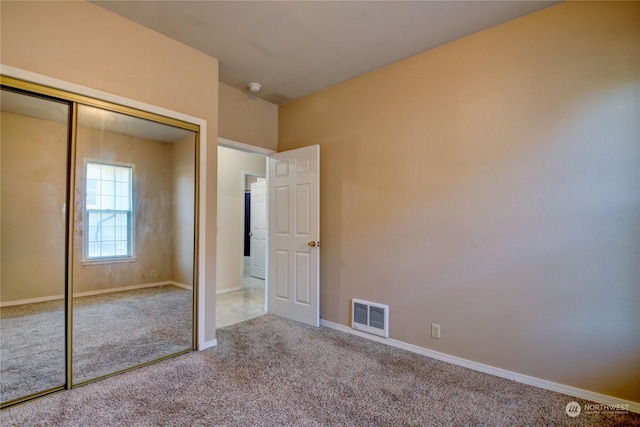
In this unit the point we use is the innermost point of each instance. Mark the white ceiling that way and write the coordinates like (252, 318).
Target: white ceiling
(294, 48)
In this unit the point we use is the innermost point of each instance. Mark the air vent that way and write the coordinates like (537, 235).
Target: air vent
(370, 317)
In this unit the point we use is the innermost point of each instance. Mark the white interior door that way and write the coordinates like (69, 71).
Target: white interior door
(294, 233)
(258, 229)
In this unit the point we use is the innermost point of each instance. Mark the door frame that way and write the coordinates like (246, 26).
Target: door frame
(247, 148)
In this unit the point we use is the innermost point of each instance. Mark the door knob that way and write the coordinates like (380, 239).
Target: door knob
(312, 244)
(250, 234)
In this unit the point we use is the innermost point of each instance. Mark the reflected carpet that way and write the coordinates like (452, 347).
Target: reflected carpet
(112, 331)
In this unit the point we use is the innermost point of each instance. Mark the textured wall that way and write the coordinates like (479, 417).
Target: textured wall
(34, 164)
(153, 237)
(34, 181)
(182, 208)
(491, 185)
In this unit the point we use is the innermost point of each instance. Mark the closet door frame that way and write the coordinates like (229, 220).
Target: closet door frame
(35, 84)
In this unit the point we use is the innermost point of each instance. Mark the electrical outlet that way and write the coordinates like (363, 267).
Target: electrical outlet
(435, 330)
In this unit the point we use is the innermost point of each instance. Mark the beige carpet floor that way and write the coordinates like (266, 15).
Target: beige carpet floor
(273, 372)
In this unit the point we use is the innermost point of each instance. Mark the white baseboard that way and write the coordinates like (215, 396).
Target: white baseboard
(181, 285)
(97, 292)
(207, 344)
(120, 289)
(498, 372)
(31, 300)
(225, 290)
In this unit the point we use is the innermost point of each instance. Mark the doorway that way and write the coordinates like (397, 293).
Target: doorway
(292, 286)
(241, 290)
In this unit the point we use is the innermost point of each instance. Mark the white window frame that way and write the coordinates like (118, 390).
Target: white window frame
(131, 257)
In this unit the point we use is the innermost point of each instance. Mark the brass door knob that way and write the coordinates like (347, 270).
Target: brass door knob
(312, 244)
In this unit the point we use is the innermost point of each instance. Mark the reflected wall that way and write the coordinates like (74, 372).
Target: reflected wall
(33, 168)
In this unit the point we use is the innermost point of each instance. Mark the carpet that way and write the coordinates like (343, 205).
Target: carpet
(112, 331)
(270, 371)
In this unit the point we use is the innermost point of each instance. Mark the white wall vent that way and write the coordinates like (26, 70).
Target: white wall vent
(370, 317)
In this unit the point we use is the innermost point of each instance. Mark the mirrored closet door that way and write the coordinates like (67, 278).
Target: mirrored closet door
(34, 149)
(98, 239)
(133, 242)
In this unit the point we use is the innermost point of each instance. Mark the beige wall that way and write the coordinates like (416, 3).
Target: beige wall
(247, 119)
(182, 208)
(231, 164)
(34, 164)
(519, 231)
(81, 43)
(153, 199)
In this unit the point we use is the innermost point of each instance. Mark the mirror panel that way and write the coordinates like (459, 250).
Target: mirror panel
(33, 155)
(134, 222)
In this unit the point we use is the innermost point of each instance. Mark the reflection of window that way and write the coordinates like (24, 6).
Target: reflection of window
(109, 211)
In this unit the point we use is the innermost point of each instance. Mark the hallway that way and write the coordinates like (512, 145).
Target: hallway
(238, 306)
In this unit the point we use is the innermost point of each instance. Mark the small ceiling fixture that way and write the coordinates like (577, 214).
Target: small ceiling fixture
(255, 87)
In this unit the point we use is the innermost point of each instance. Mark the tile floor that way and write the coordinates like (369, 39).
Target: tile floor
(238, 306)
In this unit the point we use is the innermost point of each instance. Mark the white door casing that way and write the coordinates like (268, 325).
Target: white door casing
(258, 229)
(294, 232)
